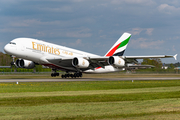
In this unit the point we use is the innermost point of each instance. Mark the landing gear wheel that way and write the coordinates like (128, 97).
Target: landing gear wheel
(62, 76)
(75, 75)
(54, 74)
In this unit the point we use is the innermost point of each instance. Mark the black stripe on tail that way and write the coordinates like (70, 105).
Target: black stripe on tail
(119, 53)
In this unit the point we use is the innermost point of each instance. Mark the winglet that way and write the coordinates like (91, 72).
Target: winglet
(175, 56)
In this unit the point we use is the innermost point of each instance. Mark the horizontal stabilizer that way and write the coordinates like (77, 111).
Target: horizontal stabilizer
(153, 56)
(140, 66)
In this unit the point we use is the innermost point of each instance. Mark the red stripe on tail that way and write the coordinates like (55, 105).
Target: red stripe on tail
(113, 50)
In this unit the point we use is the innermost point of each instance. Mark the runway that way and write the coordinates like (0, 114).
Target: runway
(87, 79)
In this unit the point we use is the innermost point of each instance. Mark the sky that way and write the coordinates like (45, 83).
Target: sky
(95, 25)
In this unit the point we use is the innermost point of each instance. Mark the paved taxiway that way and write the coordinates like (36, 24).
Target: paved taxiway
(87, 79)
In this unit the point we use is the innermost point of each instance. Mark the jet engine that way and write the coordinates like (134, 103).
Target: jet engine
(116, 61)
(80, 62)
(21, 63)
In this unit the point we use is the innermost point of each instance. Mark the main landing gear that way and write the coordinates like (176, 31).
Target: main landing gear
(75, 75)
(55, 73)
(67, 75)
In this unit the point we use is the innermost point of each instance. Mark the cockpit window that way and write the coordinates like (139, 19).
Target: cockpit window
(12, 43)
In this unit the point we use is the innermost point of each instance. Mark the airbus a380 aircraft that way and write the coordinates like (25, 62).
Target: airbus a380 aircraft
(32, 51)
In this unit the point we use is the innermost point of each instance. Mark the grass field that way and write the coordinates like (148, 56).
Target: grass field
(90, 100)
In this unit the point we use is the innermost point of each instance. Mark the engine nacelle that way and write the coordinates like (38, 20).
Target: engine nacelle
(21, 63)
(80, 62)
(116, 61)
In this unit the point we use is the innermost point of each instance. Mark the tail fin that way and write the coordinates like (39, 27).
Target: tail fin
(119, 47)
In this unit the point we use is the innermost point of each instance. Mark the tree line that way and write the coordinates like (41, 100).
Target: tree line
(159, 66)
(5, 59)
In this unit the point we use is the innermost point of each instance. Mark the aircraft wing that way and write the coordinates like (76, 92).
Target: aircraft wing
(98, 61)
(66, 62)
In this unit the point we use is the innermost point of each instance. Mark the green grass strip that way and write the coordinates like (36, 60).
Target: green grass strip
(82, 86)
(34, 101)
(107, 116)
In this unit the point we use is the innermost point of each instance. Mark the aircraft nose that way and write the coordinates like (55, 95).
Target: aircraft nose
(7, 49)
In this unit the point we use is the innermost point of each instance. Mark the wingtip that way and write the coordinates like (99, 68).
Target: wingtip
(175, 56)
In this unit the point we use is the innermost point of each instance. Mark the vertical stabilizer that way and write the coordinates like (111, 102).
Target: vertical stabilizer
(120, 46)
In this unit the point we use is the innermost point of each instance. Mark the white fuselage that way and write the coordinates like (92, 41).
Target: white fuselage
(37, 51)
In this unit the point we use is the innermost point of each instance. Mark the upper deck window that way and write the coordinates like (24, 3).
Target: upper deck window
(12, 43)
